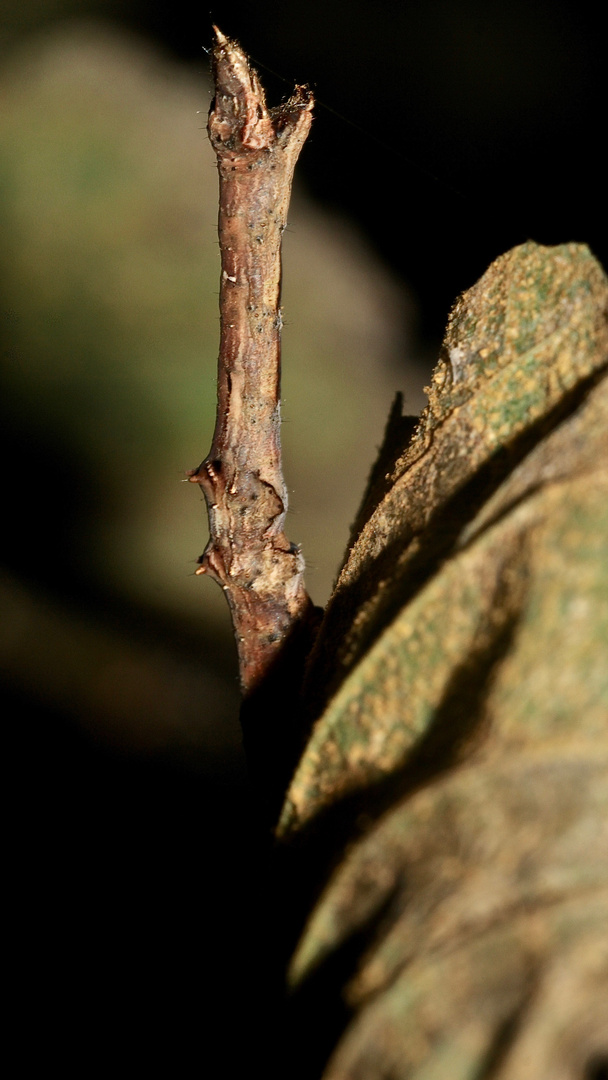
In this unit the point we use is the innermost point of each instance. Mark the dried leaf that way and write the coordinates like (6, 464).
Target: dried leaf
(464, 751)
(437, 572)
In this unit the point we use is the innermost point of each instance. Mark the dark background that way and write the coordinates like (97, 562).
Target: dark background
(449, 131)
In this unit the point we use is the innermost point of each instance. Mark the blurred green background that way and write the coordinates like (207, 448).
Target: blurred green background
(118, 670)
(109, 268)
(449, 131)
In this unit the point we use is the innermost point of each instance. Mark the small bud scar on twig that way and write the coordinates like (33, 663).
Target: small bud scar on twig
(248, 553)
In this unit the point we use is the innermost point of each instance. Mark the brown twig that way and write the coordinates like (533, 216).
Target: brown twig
(242, 478)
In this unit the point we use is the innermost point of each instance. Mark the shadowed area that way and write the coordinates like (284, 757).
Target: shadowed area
(142, 862)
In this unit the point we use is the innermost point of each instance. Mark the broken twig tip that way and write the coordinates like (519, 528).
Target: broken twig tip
(242, 477)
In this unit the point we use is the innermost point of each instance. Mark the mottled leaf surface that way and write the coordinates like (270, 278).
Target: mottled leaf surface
(458, 770)
(512, 411)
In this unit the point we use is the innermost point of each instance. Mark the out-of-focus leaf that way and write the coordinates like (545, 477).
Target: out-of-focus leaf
(109, 271)
(465, 749)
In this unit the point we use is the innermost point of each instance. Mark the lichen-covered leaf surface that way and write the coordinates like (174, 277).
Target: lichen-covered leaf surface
(457, 773)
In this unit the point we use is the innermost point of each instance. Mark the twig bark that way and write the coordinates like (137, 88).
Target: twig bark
(241, 477)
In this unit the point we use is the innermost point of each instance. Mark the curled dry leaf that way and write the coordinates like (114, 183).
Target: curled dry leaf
(461, 763)
(439, 570)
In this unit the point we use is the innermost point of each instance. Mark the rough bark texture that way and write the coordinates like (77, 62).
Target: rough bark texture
(456, 776)
(242, 478)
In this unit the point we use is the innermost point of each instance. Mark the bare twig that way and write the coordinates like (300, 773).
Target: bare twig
(242, 478)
